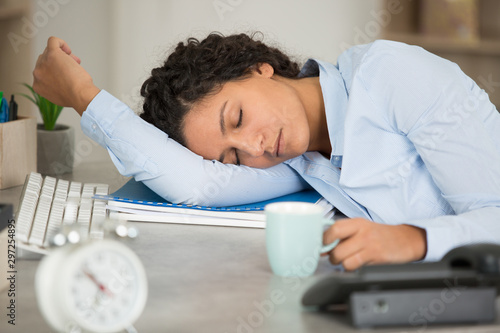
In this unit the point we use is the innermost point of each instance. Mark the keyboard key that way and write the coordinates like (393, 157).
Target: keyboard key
(75, 190)
(28, 206)
(102, 189)
(98, 217)
(55, 221)
(42, 212)
(71, 210)
(61, 190)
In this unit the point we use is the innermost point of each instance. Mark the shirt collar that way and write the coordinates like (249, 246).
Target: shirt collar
(335, 96)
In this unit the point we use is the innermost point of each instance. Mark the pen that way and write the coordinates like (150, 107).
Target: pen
(4, 111)
(12, 109)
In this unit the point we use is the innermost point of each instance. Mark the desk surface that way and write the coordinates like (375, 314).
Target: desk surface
(202, 279)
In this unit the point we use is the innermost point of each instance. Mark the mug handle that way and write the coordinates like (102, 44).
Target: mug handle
(331, 246)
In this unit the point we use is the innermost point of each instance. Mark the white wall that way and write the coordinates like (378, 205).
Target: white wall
(85, 25)
(313, 28)
(120, 41)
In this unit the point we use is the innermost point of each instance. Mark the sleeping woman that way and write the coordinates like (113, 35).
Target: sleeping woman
(399, 140)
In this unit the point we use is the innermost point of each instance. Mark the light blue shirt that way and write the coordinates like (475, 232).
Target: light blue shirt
(414, 141)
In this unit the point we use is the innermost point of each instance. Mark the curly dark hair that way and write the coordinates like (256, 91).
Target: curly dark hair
(197, 69)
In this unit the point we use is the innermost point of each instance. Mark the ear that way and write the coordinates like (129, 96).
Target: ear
(264, 69)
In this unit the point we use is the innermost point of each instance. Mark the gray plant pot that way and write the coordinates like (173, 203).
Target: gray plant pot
(55, 152)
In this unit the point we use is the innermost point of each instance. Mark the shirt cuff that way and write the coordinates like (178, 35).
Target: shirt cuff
(438, 238)
(97, 120)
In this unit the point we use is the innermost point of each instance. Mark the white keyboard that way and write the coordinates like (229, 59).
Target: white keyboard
(47, 204)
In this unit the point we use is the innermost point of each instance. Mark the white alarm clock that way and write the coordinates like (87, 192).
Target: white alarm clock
(93, 286)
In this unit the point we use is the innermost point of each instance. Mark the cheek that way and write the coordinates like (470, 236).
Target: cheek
(299, 123)
(301, 137)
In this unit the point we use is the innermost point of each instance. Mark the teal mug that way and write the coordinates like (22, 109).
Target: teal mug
(294, 237)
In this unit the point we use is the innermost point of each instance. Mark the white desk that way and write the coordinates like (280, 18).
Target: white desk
(202, 279)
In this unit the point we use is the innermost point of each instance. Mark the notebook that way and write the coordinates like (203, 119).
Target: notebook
(136, 202)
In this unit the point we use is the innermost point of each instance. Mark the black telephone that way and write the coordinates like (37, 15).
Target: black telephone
(460, 288)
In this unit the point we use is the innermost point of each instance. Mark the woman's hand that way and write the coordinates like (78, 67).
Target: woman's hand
(59, 77)
(365, 242)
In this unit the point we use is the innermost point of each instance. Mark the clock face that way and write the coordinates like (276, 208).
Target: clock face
(103, 289)
(99, 286)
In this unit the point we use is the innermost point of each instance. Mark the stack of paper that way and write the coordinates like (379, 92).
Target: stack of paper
(136, 202)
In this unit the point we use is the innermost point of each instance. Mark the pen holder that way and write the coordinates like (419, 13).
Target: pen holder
(17, 151)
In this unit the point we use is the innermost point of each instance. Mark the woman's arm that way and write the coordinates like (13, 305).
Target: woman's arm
(139, 149)
(455, 130)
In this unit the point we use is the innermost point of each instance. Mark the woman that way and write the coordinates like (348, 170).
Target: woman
(391, 134)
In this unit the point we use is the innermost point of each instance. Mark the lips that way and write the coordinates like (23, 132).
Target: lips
(278, 145)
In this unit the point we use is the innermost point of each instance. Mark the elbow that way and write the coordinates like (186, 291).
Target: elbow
(187, 191)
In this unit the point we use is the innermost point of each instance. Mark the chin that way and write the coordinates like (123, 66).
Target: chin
(303, 145)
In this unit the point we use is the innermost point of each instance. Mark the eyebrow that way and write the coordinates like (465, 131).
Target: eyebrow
(222, 127)
(222, 123)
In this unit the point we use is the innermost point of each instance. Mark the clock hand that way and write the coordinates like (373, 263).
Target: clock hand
(99, 285)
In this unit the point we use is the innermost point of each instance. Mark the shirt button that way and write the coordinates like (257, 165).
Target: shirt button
(94, 126)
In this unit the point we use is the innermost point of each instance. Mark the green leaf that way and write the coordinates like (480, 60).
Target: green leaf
(48, 110)
(28, 97)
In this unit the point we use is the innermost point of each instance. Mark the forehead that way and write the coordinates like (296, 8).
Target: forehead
(201, 126)
(211, 105)
(208, 104)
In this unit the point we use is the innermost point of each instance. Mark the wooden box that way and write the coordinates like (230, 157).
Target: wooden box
(17, 151)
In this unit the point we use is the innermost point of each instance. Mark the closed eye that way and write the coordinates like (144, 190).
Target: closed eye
(238, 125)
(237, 158)
(240, 119)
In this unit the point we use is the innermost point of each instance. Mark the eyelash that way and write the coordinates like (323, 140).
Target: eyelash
(240, 119)
(238, 125)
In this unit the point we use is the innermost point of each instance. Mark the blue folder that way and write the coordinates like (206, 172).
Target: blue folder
(138, 193)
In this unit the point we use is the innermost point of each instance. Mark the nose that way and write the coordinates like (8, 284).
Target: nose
(251, 143)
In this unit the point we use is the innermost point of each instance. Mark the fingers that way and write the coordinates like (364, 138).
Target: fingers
(350, 251)
(344, 249)
(354, 262)
(76, 58)
(58, 43)
(54, 43)
(341, 229)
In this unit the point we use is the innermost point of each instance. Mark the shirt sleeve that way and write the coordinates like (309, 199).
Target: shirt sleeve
(456, 132)
(141, 150)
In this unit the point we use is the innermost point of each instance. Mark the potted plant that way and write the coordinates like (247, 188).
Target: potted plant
(56, 142)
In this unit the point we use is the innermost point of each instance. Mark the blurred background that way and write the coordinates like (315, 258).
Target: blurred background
(120, 41)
